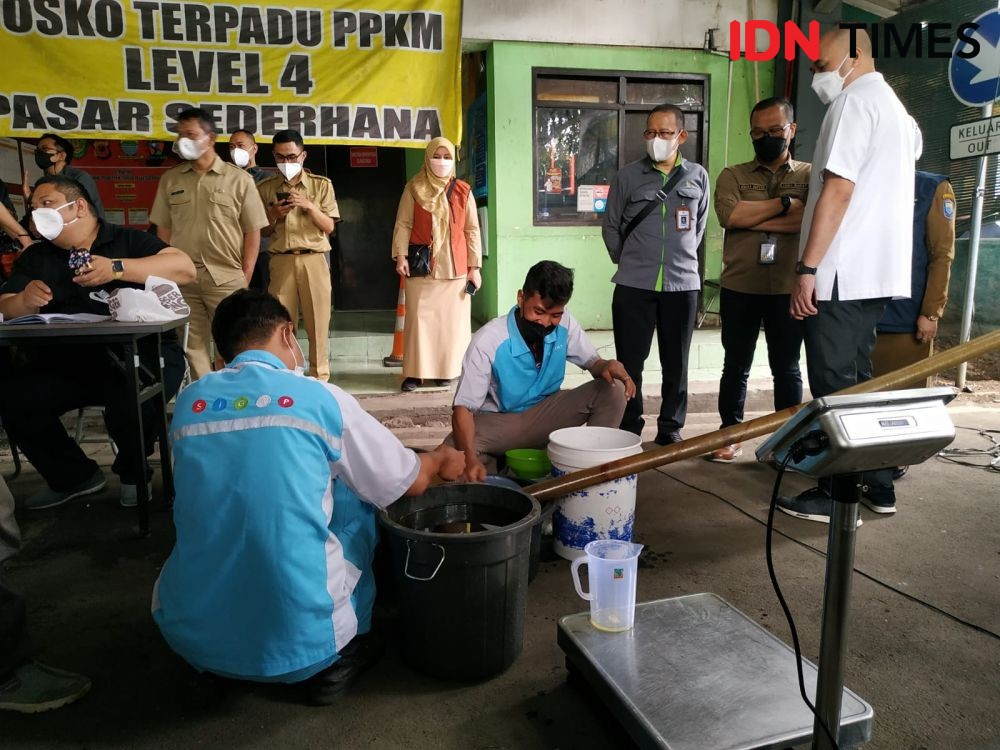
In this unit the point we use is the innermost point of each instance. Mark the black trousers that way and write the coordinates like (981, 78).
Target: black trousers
(742, 316)
(36, 391)
(635, 313)
(839, 342)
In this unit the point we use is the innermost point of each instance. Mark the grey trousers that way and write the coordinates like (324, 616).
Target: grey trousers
(15, 649)
(596, 403)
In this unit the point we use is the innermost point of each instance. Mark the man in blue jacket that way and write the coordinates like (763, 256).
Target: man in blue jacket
(279, 479)
(509, 394)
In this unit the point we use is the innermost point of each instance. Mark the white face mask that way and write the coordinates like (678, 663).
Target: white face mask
(290, 169)
(49, 222)
(441, 167)
(298, 369)
(190, 149)
(660, 149)
(829, 84)
(240, 156)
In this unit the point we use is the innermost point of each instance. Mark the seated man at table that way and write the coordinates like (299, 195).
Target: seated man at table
(279, 479)
(44, 383)
(508, 395)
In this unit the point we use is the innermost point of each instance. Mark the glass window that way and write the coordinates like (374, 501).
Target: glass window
(684, 95)
(573, 148)
(588, 126)
(579, 90)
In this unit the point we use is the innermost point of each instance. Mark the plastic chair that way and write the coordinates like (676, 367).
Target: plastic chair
(81, 438)
(708, 299)
(13, 453)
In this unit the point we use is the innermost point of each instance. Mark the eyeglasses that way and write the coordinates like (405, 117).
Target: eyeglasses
(287, 157)
(666, 135)
(776, 132)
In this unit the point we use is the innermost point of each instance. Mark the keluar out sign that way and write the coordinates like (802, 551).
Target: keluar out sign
(888, 39)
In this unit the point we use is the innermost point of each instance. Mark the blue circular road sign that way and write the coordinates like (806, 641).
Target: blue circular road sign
(976, 81)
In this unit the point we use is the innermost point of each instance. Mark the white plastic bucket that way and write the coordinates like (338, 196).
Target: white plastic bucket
(604, 511)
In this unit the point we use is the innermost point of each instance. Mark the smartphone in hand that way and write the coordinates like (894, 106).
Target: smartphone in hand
(471, 289)
(282, 196)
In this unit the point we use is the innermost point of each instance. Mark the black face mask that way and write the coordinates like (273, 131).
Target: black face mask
(769, 148)
(531, 331)
(43, 160)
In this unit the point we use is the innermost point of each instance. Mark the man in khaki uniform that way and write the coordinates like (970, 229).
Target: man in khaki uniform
(905, 334)
(760, 205)
(211, 211)
(303, 210)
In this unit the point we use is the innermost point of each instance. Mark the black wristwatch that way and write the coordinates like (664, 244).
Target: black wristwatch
(118, 268)
(786, 204)
(803, 270)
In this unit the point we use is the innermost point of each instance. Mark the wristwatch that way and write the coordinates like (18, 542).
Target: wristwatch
(118, 268)
(803, 270)
(786, 204)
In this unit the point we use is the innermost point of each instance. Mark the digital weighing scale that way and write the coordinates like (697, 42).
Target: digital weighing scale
(697, 674)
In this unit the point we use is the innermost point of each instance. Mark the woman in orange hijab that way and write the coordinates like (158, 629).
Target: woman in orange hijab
(437, 211)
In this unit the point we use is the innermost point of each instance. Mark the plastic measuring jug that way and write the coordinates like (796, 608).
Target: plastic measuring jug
(612, 566)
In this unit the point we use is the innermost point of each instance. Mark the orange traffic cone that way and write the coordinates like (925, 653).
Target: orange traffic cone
(396, 358)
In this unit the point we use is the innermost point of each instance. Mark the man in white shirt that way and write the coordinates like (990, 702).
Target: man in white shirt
(857, 231)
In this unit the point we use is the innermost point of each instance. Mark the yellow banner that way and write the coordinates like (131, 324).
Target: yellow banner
(381, 72)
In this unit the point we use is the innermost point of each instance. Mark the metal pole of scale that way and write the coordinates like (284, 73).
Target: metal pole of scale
(846, 492)
(974, 232)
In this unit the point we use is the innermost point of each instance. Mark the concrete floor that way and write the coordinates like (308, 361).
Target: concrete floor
(932, 680)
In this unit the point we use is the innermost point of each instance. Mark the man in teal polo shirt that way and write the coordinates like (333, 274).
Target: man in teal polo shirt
(509, 394)
(279, 479)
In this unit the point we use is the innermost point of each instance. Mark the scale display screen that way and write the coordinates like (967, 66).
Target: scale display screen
(897, 422)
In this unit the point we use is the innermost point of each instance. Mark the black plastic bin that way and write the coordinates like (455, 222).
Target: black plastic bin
(462, 597)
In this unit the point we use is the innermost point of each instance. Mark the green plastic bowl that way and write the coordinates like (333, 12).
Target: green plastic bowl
(529, 463)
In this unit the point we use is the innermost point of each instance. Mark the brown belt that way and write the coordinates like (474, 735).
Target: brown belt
(298, 251)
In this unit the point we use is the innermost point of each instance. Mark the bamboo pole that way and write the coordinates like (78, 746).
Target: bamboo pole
(906, 376)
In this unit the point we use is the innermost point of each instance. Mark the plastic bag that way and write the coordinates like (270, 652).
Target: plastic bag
(160, 301)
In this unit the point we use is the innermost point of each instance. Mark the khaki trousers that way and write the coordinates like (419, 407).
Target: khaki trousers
(203, 295)
(596, 403)
(303, 282)
(895, 350)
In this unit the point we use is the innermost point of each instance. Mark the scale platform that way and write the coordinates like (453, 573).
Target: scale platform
(695, 673)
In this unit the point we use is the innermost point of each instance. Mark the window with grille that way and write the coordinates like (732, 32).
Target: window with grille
(589, 124)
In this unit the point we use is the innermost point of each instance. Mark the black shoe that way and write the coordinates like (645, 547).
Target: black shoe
(879, 499)
(357, 656)
(899, 472)
(814, 504)
(409, 384)
(443, 382)
(667, 438)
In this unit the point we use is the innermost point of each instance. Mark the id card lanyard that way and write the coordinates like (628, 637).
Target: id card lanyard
(683, 218)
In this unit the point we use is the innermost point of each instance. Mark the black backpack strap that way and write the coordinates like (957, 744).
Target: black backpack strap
(660, 198)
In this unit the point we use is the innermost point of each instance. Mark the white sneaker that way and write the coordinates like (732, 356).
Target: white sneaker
(128, 497)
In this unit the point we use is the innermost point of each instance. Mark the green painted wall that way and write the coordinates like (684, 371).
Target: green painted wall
(515, 243)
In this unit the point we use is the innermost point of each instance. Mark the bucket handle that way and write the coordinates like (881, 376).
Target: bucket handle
(574, 570)
(406, 567)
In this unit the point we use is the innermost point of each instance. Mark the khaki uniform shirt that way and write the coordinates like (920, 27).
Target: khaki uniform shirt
(208, 214)
(742, 270)
(297, 230)
(941, 250)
